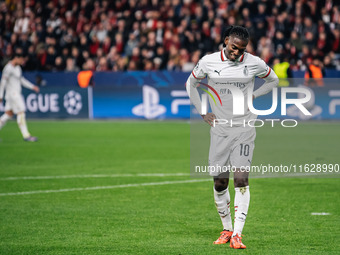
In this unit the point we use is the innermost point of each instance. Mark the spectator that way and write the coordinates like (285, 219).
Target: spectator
(315, 73)
(336, 41)
(106, 45)
(71, 66)
(298, 26)
(21, 23)
(79, 61)
(89, 65)
(50, 58)
(279, 39)
(322, 43)
(83, 42)
(100, 32)
(102, 65)
(54, 21)
(65, 54)
(295, 40)
(305, 55)
(133, 66)
(327, 62)
(309, 27)
(131, 43)
(59, 64)
(282, 70)
(32, 62)
(309, 40)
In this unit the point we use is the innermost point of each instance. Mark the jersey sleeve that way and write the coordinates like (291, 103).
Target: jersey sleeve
(26, 83)
(263, 70)
(4, 78)
(200, 70)
(199, 73)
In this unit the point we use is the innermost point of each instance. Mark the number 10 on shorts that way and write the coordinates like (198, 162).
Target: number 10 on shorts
(244, 149)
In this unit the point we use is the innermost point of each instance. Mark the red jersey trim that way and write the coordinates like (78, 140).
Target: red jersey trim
(195, 76)
(222, 57)
(266, 74)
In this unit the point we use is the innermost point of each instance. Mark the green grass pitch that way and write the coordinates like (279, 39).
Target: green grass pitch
(105, 193)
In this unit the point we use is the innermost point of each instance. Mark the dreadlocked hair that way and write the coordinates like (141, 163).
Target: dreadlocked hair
(237, 31)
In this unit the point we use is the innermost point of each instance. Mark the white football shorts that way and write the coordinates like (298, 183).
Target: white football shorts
(233, 151)
(15, 103)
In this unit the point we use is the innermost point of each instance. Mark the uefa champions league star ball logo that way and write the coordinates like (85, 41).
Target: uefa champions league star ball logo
(72, 102)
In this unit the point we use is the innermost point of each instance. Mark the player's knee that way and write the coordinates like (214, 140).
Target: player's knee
(220, 184)
(9, 113)
(241, 182)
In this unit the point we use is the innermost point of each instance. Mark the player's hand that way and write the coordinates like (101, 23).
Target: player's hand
(36, 89)
(0, 100)
(209, 118)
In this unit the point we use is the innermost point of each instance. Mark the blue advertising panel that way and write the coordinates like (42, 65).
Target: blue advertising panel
(145, 102)
(56, 102)
(141, 95)
(154, 95)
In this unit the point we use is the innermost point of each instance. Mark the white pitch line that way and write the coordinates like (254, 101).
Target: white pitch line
(13, 178)
(91, 176)
(320, 213)
(102, 187)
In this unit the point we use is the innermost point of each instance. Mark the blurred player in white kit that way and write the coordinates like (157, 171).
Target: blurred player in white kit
(11, 82)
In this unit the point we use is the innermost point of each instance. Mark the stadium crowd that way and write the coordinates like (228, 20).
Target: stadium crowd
(103, 35)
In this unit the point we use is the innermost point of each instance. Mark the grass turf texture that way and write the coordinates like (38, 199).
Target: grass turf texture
(168, 219)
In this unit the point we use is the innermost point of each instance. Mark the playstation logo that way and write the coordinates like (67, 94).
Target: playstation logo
(150, 108)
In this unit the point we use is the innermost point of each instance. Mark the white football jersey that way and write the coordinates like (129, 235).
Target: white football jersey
(220, 73)
(11, 81)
